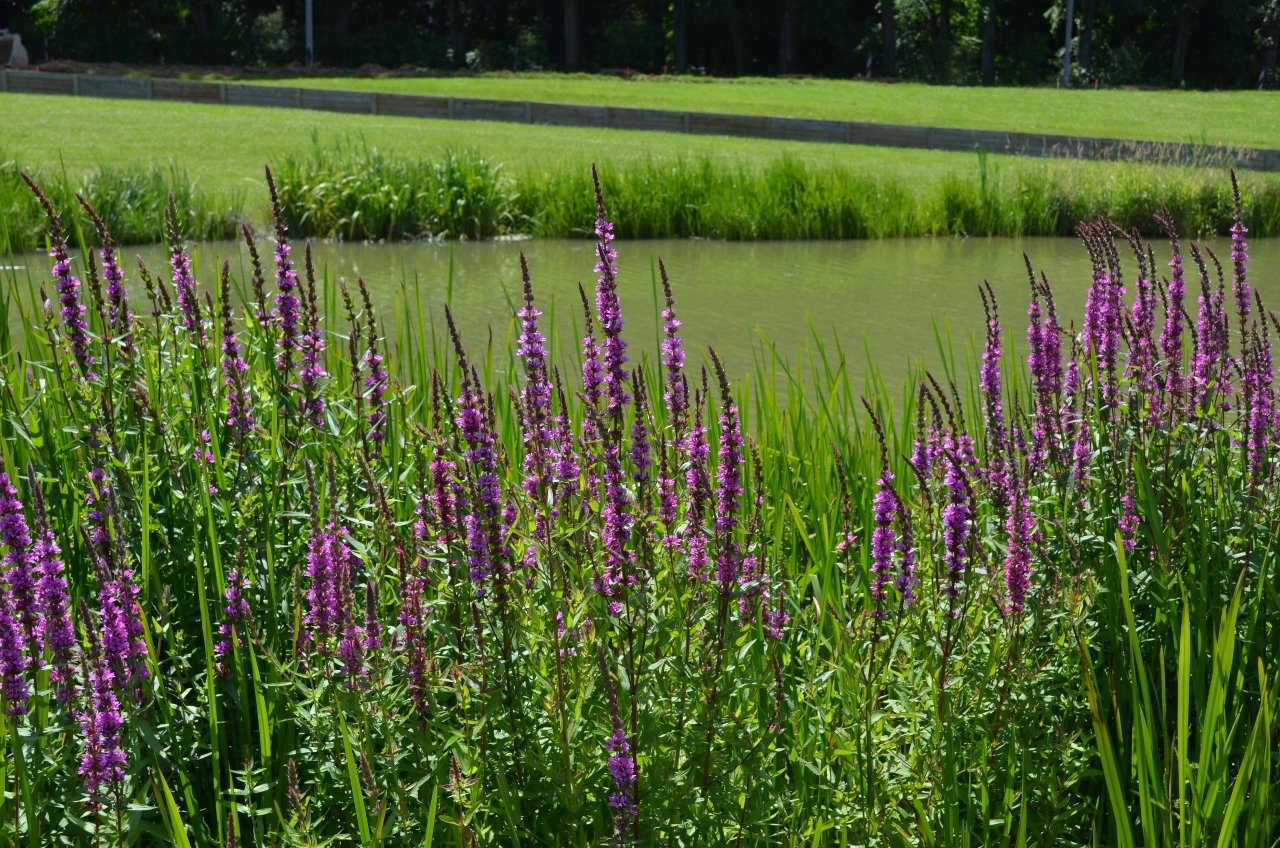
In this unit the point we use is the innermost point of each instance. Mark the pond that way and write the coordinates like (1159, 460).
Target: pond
(877, 298)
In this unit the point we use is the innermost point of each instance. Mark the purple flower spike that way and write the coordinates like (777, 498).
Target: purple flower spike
(103, 762)
(536, 395)
(609, 308)
(1239, 257)
(57, 635)
(73, 310)
(184, 282)
(1171, 335)
(884, 509)
(677, 390)
(1020, 527)
(288, 309)
(239, 415)
(956, 517)
(19, 566)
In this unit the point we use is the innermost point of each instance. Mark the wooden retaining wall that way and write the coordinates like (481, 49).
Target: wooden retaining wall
(614, 117)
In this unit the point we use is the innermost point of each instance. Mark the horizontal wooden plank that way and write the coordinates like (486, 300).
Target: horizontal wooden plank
(413, 106)
(707, 123)
(104, 86)
(806, 129)
(40, 82)
(191, 90)
(888, 135)
(469, 109)
(262, 95)
(352, 102)
(569, 115)
(663, 120)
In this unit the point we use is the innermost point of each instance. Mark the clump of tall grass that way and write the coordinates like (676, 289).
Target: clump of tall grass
(130, 200)
(353, 191)
(271, 579)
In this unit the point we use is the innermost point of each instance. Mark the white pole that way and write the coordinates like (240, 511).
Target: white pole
(311, 49)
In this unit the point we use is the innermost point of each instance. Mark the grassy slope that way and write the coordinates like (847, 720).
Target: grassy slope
(224, 147)
(1186, 116)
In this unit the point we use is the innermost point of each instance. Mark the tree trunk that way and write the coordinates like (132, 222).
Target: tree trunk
(571, 35)
(889, 39)
(680, 34)
(1085, 57)
(944, 25)
(1180, 46)
(989, 44)
(735, 38)
(457, 35)
(1269, 58)
(787, 36)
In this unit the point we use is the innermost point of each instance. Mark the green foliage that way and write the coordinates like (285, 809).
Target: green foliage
(1133, 700)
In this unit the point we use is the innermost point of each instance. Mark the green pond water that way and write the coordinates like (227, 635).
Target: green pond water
(877, 298)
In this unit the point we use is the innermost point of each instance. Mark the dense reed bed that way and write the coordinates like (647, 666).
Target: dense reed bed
(270, 581)
(130, 200)
(354, 191)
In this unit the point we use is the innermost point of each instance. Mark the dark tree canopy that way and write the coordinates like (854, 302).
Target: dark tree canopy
(1193, 43)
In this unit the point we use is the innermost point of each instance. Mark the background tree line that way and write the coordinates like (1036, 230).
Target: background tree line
(1196, 43)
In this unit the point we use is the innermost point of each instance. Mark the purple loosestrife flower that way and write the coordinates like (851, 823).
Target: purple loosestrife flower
(378, 380)
(1207, 358)
(883, 514)
(12, 662)
(1171, 335)
(413, 620)
(237, 613)
(728, 483)
(1239, 257)
(73, 310)
(1142, 318)
(239, 408)
(617, 530)
(56, 632)
(609, 308)
(536, 395)
(592, 373)
(328, 595)
(1104, 306)
(622, 762)
(19, 566)
(1128, 522)
(288, 308)
(907, 579)
(123, 647)
(481, 521)
(1020, 527)
(641, 450)
(1257, 382)
(698, 487)
(103, 762)
(311, 373)
(956, 517)
(119, 316)
(997, 475)
(676, 395)
(184, 282)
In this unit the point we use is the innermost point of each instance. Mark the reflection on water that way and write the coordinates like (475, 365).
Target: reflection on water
(884, 294)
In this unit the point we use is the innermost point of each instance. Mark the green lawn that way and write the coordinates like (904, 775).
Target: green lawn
(1230, 117)
(224, 147)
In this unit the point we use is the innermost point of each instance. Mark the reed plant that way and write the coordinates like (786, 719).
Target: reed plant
(353, 191)
(130, 200)
(272, 578)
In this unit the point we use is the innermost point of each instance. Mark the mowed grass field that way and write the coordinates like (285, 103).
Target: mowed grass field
(223, 148)
(1199, 117)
